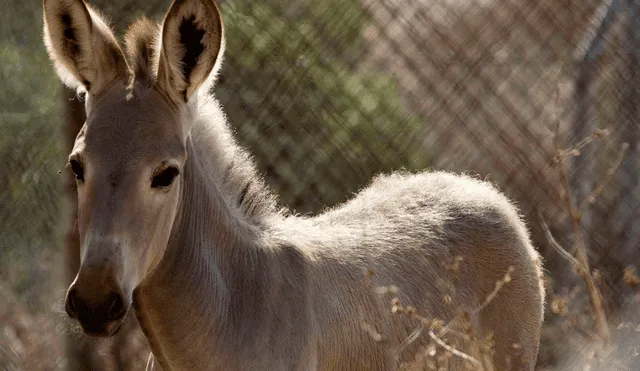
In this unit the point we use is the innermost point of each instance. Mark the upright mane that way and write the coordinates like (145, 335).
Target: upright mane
(142, 43)
(229, 167)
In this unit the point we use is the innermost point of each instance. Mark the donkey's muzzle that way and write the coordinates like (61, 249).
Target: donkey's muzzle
(97, 319)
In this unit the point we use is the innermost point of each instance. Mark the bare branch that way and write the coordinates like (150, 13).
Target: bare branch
(591, 199)
(411, 338)
(575, 323)
(499, 284)
(594, 293)
(410, 312)
(575, 151)
(453, 351)
(565, 254)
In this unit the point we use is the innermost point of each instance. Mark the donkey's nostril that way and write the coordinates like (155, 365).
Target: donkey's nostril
(115, 307)
(71, 304)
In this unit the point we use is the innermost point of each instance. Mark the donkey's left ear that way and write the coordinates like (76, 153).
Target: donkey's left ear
(192, 48)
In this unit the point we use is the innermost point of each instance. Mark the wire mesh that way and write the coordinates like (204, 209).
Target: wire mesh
(327, 94)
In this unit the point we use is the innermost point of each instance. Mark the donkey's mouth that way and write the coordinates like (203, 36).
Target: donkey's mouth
(101, 325)
(101, 330)
(102, 320)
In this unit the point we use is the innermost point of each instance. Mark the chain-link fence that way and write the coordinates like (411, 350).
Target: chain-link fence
(328, 93)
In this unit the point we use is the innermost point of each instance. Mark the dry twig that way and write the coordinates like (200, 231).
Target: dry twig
(591, 199)
(452, 350)
(565, 254)
(499, 284)
(580, 247)
(398, 307)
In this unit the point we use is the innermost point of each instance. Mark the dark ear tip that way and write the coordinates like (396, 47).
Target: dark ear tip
(51, 7)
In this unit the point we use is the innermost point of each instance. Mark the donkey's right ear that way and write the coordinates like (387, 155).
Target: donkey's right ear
(81, 45)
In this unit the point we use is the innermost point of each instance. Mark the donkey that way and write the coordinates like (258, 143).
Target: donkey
(175, 222)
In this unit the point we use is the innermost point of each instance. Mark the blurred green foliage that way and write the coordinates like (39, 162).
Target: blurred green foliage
(30, 145)
(321, 124)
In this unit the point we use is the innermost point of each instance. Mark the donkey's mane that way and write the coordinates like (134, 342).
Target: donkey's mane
(142, 42)
(229, 166)
(226, 165)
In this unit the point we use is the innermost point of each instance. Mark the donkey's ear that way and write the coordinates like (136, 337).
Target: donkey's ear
(81, 45)
(192, 48)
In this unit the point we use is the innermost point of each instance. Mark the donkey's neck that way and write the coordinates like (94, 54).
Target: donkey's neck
(187, 299)
(213, 288)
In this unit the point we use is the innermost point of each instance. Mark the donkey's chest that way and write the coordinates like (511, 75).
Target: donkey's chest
(249, 349)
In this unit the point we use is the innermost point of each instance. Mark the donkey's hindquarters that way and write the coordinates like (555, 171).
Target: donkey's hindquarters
(449, 244)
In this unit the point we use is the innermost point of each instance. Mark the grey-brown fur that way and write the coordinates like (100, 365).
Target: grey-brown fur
(222, 279)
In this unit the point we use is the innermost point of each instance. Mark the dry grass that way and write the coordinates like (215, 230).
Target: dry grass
(445, 336)
(33, 338)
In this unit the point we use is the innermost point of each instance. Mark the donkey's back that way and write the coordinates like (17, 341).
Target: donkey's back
(444, 241)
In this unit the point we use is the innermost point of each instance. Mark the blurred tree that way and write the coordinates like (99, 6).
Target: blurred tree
(31, 154)
(319, 124)
(628, 208)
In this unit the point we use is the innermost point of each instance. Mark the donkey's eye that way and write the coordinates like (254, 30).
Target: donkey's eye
(77, 168)
(165, 177)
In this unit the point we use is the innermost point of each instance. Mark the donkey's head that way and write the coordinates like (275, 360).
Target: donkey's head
(129, 155)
